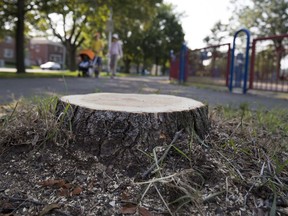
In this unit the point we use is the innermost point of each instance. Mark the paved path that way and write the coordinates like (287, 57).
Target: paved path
(28, 87)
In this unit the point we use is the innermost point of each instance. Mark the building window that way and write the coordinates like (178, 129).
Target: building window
(8, 53)
(8, 39)
(56, 58)
(37, 48)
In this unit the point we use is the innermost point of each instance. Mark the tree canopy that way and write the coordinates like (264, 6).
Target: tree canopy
(12, 15)
(261, 17)
(142, 25)
(264, 17)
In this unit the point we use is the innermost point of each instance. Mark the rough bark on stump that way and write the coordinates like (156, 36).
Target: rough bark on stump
(115, 126)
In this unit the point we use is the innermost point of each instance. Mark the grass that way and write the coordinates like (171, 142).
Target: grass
(245, 149)
(52, 74)
(47, 74)
(242, 160)
(29, 122)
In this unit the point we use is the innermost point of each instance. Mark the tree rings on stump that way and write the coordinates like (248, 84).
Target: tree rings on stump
(117, 127)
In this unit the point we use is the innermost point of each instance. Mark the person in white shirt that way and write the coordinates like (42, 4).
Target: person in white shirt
(115, 53)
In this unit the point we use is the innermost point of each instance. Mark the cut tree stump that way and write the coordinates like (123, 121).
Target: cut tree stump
(115, 126)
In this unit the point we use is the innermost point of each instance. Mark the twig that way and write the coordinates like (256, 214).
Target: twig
(146, 190)
(23, 200)
(239, 173)
(167, 207)
(163, 156)
(208, 198)
(162, 179)
(16, 199)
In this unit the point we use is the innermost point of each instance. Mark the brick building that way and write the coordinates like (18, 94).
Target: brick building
(42, 50)
(38, 51)
(7, 51)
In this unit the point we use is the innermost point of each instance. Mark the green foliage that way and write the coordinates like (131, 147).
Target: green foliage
(264, 17)
(148, 29)
(219, 32)
(38, 75)
(164, 34)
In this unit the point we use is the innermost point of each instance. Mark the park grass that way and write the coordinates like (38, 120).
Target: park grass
(40, 74)
(52, 74)
(242, 160)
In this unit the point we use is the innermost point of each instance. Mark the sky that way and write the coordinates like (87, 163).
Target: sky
(199, 17)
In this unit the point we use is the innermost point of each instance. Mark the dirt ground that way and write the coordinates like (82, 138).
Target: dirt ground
(240, 168)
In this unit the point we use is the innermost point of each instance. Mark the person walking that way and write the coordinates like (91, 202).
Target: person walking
(97, 47)
(115, 53)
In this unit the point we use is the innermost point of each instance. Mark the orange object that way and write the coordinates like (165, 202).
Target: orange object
(88, 52)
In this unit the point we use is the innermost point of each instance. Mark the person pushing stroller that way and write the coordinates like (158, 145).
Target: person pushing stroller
(97, 47)
(86, 64)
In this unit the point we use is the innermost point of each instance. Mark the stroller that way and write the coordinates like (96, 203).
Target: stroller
(87, 62)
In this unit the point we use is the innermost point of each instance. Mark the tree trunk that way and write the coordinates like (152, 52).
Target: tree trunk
(71, 55)
(20, 47)
(118, 127)
(127, 62)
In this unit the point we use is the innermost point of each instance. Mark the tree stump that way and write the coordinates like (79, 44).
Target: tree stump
(116, 127)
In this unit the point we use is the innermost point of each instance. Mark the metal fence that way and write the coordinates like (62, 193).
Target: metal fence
(206, 65)
(209, 64)
(269, 64)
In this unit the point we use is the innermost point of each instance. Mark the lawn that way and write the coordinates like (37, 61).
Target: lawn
(40, 74)
(52, 74)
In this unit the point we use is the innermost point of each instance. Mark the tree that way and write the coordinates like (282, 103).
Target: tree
(148, 29)
(71, 22)
(219, 32)
(12, 16)
(131, 18)
(163, 35)
(265, 18)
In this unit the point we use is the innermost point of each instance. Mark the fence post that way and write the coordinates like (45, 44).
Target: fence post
(182, 65)
(251, 80)
(228, 65)
(247, 32)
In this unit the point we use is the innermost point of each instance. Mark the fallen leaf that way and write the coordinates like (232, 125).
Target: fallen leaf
(66, 186)
(7, 205)
(128, 210)
(144, 212)
(49, 208)
(162, 136)
(52, 182)
(77, 191)
(60, 183)
(64, 192)
(131, 209)
(124, 196)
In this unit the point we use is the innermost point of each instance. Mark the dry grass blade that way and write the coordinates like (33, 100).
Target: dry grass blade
(237, 170)
(31, 124)
(163, 156)
(163, 200)
(163, 179)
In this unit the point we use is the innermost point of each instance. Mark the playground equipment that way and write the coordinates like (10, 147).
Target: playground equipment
(266, 70)
(232, 69)
(269, 63)
(202, 64)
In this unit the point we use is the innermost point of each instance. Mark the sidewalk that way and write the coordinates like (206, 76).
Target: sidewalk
(28, 87)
